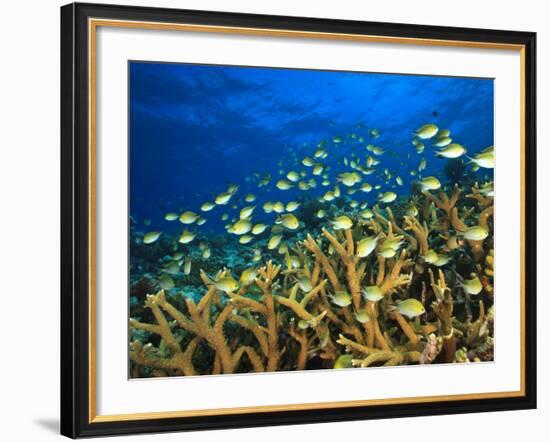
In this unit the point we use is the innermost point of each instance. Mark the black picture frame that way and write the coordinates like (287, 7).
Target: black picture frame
(75, 219)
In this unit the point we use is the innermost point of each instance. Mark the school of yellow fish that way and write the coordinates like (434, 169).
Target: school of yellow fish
(339, 286)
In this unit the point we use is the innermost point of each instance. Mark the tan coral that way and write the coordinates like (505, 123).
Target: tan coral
(271, 323)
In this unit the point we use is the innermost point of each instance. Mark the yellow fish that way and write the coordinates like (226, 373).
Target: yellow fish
(171, 216)
(475, 233)
(371, 161)
(431, 256)
(166, 282)
(151, 237)
(453, 150)
(366, 214)
(206, 253)
(206, 207)
(232, 188)
(226, 284)
(223, 198)
(412, 211)
(284, 185)
(307, 161)
(472, 286)
(420, 148)
(362, 316)
(344, 361)
(188, 217)
(387, 197)
(305, 284)
(292, 206)
(303, 185)
(245, 239)
(268, 206)
(265, 180)
(241, 227)
(441, 260)
(366, 187)
(292, 262)
(422, 165)
(442, 141)
(387, 252)
(366, 246)
(278, 207)
(246, 212)
(427, 131)
(372, 293)
(349, 178)
(257, 255)
(186, 237)
(487, 189)
(430, 183)
(341, 298)
(283, 248)
(289, 221)
(171, 268)
(250, 198)
(410, 307)
(318, 169)
(187, 265)
(177, 256)
(393, 243)
(485, 159)
(257, 229)
(274, 242)
(342, 222)
(320, 153)
(293, 176)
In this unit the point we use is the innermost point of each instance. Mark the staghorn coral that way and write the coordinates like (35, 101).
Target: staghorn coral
(273, 322)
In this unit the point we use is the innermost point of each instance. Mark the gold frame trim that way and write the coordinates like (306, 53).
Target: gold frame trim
(93, 24)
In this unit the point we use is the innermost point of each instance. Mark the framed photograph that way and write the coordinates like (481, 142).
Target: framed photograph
(275, 220)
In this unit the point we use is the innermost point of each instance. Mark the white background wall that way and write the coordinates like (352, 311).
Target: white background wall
(29, 218)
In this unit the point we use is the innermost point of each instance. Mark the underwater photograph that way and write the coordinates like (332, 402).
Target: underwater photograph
(296, 219)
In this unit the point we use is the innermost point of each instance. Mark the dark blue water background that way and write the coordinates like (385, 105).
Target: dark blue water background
(194, 129)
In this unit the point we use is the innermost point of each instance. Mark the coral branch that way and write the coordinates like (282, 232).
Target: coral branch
(312, 246)
(407, 329)
(349, 262)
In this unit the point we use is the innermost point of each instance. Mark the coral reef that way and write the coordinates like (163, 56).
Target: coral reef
(310, 307)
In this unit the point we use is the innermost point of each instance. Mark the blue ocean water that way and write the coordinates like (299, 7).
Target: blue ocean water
(195, 129)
